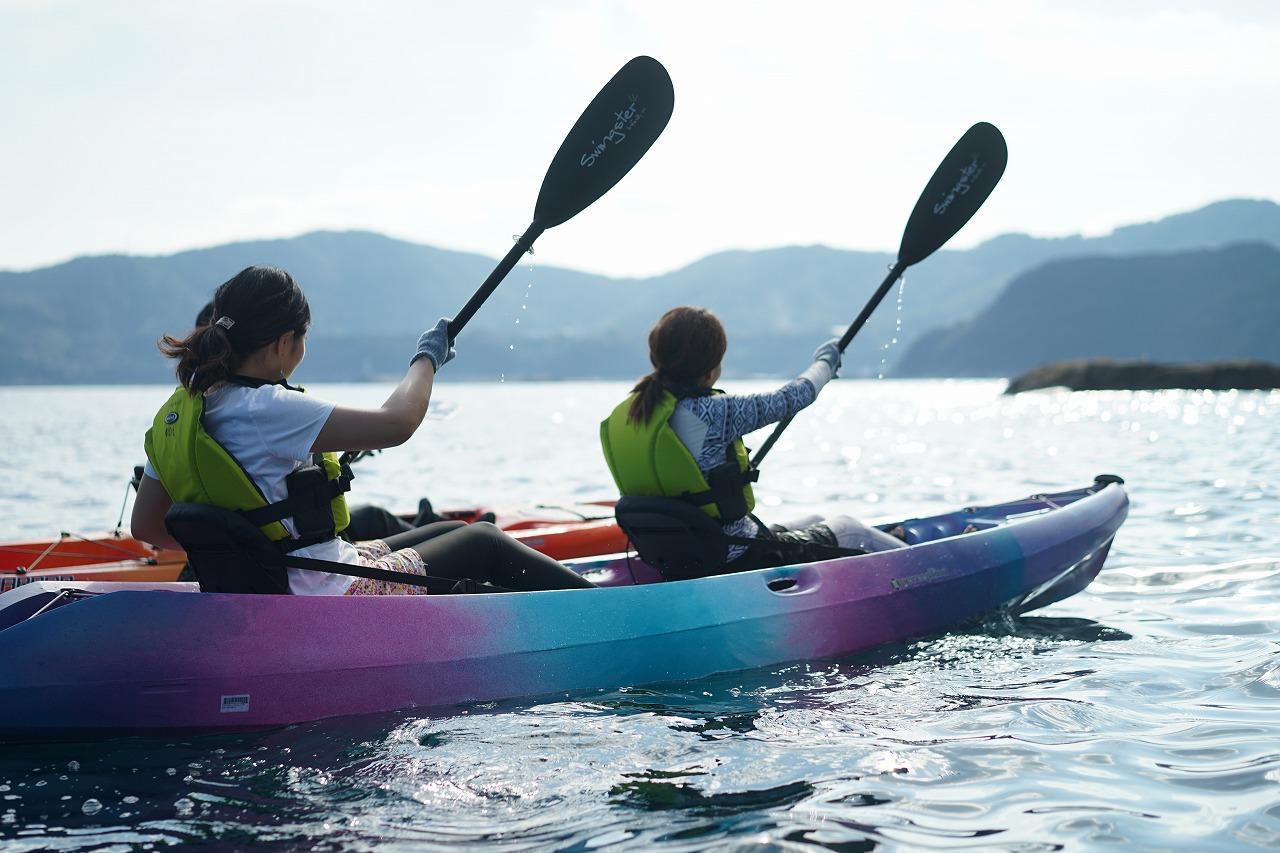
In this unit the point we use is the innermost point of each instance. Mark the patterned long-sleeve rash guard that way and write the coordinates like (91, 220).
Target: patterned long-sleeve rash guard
(708, 425)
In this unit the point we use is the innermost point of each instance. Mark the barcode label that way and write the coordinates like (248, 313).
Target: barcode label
(235, 704)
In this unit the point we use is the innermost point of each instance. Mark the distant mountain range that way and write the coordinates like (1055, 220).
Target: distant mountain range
(96, 319)
(1207, 305)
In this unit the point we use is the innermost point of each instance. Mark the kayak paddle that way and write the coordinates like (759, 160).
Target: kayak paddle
(962, 182)
(611, 135)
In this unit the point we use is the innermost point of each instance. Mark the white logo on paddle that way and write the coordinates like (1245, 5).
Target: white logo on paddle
(968, 175)
(624, 120)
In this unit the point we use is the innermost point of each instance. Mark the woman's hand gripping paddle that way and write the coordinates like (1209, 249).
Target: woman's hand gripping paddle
(962, 182)
(611, 135)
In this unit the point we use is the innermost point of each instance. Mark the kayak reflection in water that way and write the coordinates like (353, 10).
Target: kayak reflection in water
(235, 434)
(677, 436)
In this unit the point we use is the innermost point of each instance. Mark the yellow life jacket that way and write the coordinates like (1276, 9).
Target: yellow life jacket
(195, 468)
(649, 460)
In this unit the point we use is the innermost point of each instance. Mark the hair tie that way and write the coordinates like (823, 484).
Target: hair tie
(225, 322)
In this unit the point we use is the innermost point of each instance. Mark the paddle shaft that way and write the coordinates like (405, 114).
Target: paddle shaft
(523, 244)
(894, 274)
(615, 130)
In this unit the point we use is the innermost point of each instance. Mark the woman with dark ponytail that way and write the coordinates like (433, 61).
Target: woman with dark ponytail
(237, 435)
(677, 436)
(270, 305)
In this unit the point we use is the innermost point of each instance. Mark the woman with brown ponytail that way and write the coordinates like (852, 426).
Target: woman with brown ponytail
(677, 436)
(235, 434)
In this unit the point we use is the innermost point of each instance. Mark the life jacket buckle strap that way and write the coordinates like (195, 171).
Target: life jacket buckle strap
(310, 494)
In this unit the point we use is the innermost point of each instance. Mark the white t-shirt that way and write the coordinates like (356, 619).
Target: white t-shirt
(270, 431)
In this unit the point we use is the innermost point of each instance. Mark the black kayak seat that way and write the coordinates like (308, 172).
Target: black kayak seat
(229, 553)
(682, 542)
(226, 551)
(675, 537)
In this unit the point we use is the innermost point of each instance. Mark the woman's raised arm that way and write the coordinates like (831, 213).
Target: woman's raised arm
(402, 413)
(388, 426)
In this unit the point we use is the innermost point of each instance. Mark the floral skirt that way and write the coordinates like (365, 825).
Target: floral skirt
(376, 555)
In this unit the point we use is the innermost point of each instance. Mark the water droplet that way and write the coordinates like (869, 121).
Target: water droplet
(184, 806)
(91, 806)
(73, 765)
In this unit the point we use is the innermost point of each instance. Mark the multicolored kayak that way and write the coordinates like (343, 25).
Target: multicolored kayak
(100, 658)
(562, 532)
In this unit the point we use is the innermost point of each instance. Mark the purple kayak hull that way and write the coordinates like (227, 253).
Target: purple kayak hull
(164, 657)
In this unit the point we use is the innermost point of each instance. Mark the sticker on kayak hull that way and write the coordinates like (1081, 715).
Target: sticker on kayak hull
(916, 580)
(236, 704)
(9, 582)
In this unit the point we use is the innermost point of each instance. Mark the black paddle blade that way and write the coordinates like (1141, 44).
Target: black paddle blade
(611, 135)
(955, 192)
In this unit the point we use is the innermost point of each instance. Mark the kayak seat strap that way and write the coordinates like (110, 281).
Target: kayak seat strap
(228, 553)
(682, 542)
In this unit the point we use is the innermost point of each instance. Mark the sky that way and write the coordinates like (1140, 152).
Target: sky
(153, 127)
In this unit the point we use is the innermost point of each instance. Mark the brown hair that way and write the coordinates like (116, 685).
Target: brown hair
(247, 312)
(685, 345)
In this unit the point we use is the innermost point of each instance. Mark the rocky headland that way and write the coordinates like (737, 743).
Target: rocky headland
(1114, 375)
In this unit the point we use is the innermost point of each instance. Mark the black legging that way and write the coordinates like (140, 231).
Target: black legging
(373, 522)
(482, 552)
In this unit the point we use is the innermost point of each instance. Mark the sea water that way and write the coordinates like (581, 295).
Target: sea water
(1143, 713)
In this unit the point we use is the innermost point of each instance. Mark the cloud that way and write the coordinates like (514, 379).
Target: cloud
(162, 126)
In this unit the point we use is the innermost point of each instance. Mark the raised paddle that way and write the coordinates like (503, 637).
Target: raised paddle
(962, 182)
(611, 135)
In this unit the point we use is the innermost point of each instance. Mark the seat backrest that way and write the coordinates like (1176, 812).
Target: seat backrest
(227, 552)
(675, 537)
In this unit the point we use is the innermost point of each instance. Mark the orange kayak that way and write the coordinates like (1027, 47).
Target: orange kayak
(587, 530)
(104, 556)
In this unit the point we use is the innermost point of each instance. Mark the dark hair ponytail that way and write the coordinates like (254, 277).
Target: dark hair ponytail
(247, 312)
(685, 345)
